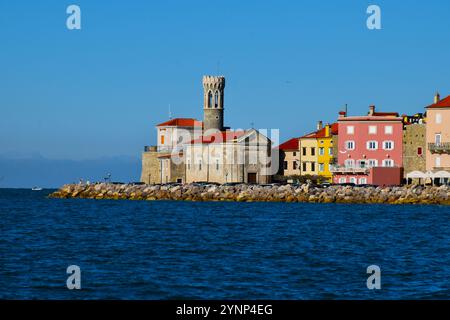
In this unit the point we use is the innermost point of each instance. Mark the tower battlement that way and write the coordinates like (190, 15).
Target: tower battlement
(214, 82)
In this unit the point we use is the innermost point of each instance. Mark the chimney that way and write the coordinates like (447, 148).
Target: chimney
(319, 125)
(327, 130)
(342, 114)
(437, 97)
(371, 110)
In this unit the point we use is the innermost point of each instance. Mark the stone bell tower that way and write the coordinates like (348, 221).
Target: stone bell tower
(213, 102)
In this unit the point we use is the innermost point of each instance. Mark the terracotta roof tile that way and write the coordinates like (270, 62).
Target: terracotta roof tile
(219, 137)
(443, 103)
(385, 114)
(292, 144)
(181, 122)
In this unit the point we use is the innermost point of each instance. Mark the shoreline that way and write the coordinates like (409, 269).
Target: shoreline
(411, 194)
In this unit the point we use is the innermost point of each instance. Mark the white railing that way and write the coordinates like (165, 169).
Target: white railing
(347, 169)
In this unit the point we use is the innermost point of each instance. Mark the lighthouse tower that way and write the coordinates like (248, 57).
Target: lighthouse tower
(213, 102)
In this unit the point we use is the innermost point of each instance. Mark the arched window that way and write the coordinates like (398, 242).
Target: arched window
(210, 102)
(419, 151)
(216, 99)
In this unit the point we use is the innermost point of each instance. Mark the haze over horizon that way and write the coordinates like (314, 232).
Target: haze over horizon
(82, 95)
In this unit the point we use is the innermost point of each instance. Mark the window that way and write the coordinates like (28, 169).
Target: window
(304, 166)
(217, 165)
(313, 152)
(200, 164)
(388, 130)
(313, 166)
(162, 139)
(437, 139)
(294, 154)
(189, 164)
(321, 167)
(216, 99)
(373, 163)
(350, 145)
(438, 162)
(342, 180)
(372, 129)
(388, 145)
(294, 165)
(438, 118)
(419, 151)
(210, 98)
(304, 151)
(362, 164)
(349, 163)
(350, 129)
(353, 180)
(285, 165)
(363, 181)
(330, 167)
(388, 163)
(321, 151)
(330, 151)
(372, 145)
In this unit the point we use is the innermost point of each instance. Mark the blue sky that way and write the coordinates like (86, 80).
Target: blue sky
(99, 91)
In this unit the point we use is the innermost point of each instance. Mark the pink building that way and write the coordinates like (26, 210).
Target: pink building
(438, 138)
(370, 149)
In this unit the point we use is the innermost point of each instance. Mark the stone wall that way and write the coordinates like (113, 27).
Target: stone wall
(177, 172)
(151, 172)
(414, 137)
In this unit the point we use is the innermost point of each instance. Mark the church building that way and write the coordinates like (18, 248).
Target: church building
(189, 150)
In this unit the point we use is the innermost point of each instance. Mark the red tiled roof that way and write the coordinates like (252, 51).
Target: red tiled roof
(219, 137)
(321, 133)
(385, 114)
(443, 103)
(181, 122)
(291, 144)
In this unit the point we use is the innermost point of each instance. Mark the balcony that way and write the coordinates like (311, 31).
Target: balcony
(349, 170)
(439, 147)
(150, 148)
(163, 149)
(441, 169)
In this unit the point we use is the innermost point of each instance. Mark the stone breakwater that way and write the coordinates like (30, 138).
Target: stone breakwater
(260, 193)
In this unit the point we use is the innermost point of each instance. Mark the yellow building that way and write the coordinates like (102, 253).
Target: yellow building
(308, 155)
(317, 152)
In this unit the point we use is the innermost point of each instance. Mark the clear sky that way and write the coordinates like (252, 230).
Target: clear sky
(99, 91)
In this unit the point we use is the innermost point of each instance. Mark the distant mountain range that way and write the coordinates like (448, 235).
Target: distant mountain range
(30, 171)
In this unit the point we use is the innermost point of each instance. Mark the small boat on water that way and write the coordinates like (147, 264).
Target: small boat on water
(36, 189)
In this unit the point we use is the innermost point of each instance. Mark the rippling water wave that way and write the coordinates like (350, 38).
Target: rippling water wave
(170, 250)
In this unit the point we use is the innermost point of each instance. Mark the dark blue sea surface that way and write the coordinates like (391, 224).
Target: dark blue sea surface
(170, 250)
